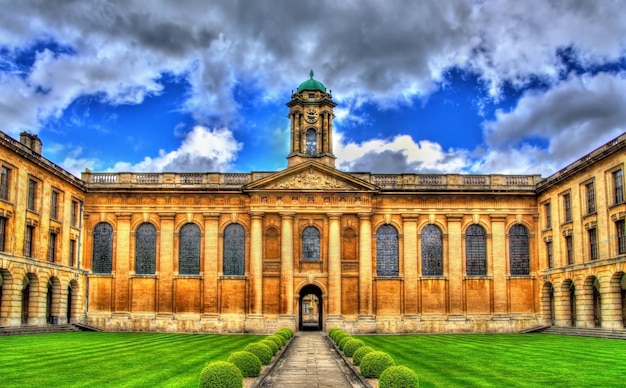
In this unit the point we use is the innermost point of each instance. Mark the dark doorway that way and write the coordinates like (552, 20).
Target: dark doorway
(572, 305)
(310, 308)
(597, 304)
(25, 301)
(69, 304)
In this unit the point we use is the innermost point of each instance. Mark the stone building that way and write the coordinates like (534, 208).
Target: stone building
(311, 246)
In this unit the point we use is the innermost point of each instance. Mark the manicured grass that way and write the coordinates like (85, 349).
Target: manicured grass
(112, 359)
(513, 360)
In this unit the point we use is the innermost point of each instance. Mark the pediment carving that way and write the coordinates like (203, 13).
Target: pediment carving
(309, 179)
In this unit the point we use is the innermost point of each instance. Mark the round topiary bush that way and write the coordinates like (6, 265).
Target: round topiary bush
(283, 333)
(333, 331)
(343, 342)
(398, 376)
(262, 351)
(280, 341)
(270, 344)
(248, 363)
(287, 331)
(221, 374)
(341, 336)
(358, 355)
(374, 363)
(351, 346)
(337, 332)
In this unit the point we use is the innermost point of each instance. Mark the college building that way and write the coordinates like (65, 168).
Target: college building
(310, 246)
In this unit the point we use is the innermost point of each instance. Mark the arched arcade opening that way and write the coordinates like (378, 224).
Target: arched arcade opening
(310, 308)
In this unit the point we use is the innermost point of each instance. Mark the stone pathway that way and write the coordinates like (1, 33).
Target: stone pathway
(311, 362)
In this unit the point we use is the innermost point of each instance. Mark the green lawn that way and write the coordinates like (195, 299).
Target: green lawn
(112, 359)
(514, 360)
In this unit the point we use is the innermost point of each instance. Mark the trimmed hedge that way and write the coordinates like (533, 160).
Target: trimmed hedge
(287, 331)
(335, 333)
(221, 374)
(398, 376)
(270, 344)
(339, 336)
(374, 363)
(262, 351)
(344, 341)
(278, 340)
(351, 346)
(358, 355)
(248, 363)
(284, 333)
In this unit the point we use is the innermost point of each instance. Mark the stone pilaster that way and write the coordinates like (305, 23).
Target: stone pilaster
(256, 262)
(209, 281)
(366, 322)
(165, 265)
(286, 264)
(121, 301)
(499, 258)
(410, 274)
(455, 266)
(334, 266)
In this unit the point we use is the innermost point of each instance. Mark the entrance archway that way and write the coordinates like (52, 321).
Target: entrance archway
(310, 310)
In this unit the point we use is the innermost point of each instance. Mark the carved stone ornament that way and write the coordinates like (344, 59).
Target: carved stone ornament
(310, 179)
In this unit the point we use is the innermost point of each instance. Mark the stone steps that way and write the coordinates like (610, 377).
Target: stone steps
(592, 332)
(39, 329)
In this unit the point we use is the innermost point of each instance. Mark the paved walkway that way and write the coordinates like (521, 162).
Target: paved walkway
(311, 362)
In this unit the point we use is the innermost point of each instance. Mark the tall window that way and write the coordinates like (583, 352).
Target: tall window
(52, 247)
(54, 205)
(5, 179)
(476, 251)
(549, 254)
(311, 244)
(568, 250)
(102, 249)
(28, 240)
(72, 258)
(519, 253)
(189, 250)
(621, 237)
(591, 197)
(567, 208)
(548, 209)
(387, 251)
(234, 250)
(32, 195)
(74, 215)
(618, 185)
(432, 251)
(145, 249)
(3, 233)
(593, 243)
(311, 142)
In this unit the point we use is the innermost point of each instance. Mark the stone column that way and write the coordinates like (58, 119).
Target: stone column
(286, 265)
(256, 262)
(165, 265)
(410, 266)
(209, 273)
(455, 272)
(11, 314)
(499, 259)
(334, 266)
(366, 323)
(121, 300)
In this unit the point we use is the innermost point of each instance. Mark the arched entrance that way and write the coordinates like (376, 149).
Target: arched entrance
(25, 303)
(548, 303)
(310, 308)
(597, 304)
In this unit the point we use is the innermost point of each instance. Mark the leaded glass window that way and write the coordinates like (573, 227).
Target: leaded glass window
(145, 249)
(432, 251)
(593, 243)
(387, 251)
(3, 230)
(519, 253)
(476, 251)
(189, 250)
(5, 178)
(234, 250)
(311, 244)
(311, 142)
(102, 261)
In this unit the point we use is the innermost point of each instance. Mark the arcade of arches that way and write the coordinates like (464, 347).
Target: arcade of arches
(311, 247)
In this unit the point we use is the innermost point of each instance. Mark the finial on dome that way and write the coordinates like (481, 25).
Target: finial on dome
(311, 73)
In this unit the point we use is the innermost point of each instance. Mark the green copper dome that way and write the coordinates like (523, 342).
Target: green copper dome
(312, 84)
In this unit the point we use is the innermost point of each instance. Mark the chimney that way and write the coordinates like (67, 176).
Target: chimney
(33, 142)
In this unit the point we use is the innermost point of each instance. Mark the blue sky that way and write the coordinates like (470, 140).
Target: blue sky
(422, 87)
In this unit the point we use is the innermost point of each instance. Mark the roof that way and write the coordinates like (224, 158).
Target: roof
(312, 84)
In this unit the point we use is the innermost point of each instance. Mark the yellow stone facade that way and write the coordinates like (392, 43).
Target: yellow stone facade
(314, 247)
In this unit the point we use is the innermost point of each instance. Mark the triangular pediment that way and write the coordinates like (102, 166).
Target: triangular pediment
(308, 176)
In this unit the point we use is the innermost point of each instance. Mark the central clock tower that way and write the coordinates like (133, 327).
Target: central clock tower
(311, 123)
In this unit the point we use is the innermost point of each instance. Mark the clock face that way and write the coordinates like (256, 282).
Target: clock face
(311, 116)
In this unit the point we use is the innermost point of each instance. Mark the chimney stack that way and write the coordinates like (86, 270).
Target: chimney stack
(33, 142)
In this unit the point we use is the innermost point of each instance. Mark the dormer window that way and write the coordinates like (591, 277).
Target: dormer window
(311, 95)
(311, 142)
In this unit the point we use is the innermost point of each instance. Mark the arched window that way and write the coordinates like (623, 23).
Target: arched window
(272, 244)
(349, 244)
(145, 249)
(102, 261)
(432, 251)
(311, 142)
(311, 244)
(476, 251)
(387, 251)
(234, 250)
(189, 250)
(518, 250)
